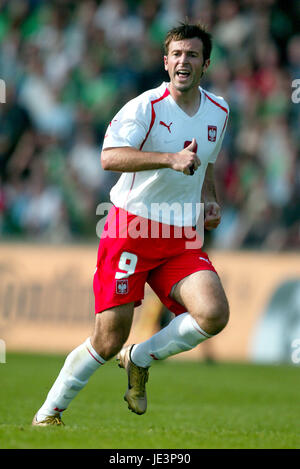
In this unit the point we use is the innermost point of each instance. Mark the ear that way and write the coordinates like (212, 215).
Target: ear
(206, 65)
(166, 62)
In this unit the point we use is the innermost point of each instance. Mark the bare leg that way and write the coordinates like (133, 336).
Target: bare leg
(111, 330)
(203, 297)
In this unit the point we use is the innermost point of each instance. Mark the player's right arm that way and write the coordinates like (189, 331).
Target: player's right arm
(130, 159)
(126, 135)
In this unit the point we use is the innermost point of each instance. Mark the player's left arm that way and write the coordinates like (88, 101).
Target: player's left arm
(212, 210)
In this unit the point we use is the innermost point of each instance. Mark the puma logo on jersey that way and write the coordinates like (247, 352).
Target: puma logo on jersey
(206, 260)
(166, 125)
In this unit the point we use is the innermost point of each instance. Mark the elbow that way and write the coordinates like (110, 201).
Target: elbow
(104, 161)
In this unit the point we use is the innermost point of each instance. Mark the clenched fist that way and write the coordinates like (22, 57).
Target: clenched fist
(212, 215)
(186, 160)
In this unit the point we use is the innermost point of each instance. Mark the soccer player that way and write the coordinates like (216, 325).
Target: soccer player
(165, 143)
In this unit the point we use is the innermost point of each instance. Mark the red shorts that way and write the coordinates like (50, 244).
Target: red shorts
(126, 263)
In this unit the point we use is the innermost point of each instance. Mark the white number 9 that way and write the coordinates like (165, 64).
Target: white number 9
(128, 263)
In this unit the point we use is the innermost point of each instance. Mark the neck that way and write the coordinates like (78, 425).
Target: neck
(189, 100)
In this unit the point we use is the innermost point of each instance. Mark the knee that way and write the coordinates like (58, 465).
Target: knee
(108, 345)
(111, 330)
(213, 317)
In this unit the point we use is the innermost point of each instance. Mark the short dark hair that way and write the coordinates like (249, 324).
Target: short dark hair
(189, 31)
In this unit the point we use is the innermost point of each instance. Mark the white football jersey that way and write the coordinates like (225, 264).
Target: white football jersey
(154, 122)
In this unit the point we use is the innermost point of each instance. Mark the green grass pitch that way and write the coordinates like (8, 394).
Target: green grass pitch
(190, 405)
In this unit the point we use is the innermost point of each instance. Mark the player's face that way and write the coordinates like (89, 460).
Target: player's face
(184, 63)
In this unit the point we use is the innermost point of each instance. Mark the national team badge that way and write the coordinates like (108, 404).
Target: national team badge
(212, 133)
(122, 286)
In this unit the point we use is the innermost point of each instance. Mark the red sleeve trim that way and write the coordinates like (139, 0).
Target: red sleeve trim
(221, 107)
(217, 104)
(153, 115)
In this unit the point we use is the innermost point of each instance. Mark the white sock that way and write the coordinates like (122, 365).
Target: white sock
(181, 334)
(79, 366)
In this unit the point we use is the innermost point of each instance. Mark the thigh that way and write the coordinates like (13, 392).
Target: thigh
(165, 278)
(199, 291)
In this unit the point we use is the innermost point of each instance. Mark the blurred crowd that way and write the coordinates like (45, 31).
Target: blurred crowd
(69, 66)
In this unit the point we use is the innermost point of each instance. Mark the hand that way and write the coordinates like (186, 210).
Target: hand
(212, 215)
(186, 160)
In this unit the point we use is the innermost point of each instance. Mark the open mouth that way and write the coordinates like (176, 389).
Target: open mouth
(183, 74)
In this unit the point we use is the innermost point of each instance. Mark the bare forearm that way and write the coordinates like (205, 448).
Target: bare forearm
(209, 187)
(212, 211)
(128, 159)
